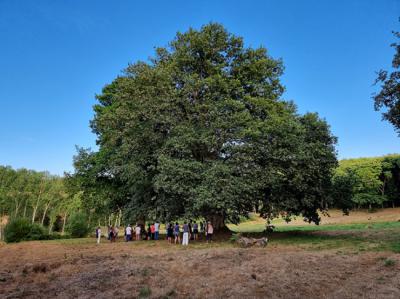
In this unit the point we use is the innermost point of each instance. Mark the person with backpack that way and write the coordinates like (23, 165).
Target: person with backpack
(177, 233)
(185, 239)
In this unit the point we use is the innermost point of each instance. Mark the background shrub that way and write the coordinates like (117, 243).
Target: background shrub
(22, 229)
(78, 225)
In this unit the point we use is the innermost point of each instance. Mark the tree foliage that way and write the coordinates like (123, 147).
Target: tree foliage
(388, 98)
(367, 182)
(37, 196)
(201, 131)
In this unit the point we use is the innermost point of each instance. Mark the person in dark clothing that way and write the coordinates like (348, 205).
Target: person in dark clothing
(195, 230)
(170, 233)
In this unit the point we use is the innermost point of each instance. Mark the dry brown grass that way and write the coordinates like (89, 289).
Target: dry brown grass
(120, 270)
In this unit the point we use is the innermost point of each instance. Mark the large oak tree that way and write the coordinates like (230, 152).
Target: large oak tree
(201, 131)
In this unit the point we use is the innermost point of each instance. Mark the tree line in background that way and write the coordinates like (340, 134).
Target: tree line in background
(47, 204)
(51, 201)
(38, 196)
(367, 183)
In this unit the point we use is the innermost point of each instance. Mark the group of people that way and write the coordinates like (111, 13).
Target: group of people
(174, 232)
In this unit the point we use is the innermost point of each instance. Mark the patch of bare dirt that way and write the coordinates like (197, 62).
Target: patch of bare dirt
(120, 270)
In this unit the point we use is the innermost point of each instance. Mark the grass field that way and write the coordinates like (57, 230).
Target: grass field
(353, 257)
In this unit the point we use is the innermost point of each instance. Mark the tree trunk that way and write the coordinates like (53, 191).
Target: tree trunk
(217, 221)
(44, 213)
(34, 213)
(17, 204)
(24, 215)
(116, 221)
(141, 221)
(51, 225)
(35, 208)
(63, 227)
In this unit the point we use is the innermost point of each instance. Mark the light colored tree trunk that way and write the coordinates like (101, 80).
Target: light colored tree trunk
(17, 206)
(25, 206)
(44, 212)
(35, 208)
(51, 225)
(116, 220)
(64, 221)
(34, 211)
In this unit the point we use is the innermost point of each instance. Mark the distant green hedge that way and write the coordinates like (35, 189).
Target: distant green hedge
(22, 229)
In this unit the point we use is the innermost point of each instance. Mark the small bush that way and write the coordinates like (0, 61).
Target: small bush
(22, 229)
(389, 262)
(78, 225)
(235, 237)
(144, 292)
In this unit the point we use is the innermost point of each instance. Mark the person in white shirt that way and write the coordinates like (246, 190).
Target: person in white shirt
(128, 233)
(137, 230)
(210, 231)
(156, 230)
(98, 234)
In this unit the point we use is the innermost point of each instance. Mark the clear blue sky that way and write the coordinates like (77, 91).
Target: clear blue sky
(56, 55)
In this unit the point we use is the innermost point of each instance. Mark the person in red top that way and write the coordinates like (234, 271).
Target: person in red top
(153, 230)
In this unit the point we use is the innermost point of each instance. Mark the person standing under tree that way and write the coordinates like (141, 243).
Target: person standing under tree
(111, 234)
(153, 231)
(128, 233)
(156, 230)
(195, 230)
(190, 230)
(98, 234)
(185, 239)
(137, 231)
(209, 231)
(177, 232)
(170, 233)
(149, 232)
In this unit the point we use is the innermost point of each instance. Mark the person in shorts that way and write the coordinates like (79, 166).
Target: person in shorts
(195, 231)
(170, 233)
(177, 233)
(137, 232)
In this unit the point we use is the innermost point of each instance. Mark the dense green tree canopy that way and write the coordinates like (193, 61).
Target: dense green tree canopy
(388, 98)
(201, 131)
(367, 182)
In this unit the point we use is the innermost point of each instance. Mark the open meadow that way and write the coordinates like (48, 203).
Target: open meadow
(354, 256)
